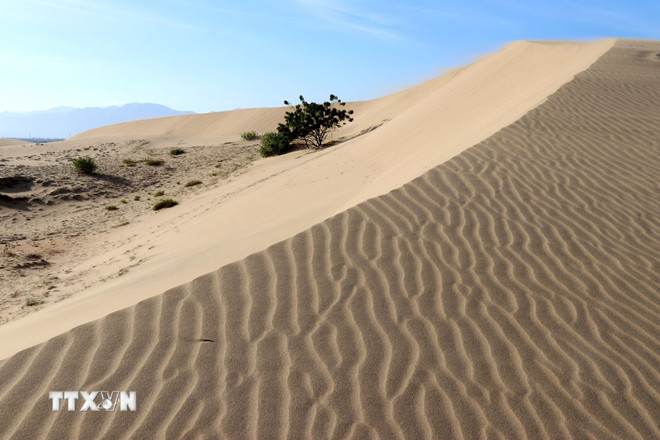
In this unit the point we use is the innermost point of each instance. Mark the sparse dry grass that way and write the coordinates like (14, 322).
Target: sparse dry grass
(167, 203)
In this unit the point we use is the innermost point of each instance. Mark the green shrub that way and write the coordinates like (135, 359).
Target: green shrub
(32, 302)
(274, 144)
(312, 122)
(123, 201)
(193, 183)
(111, 208)
(167, 203)
(154, 162)
(129, 162)
(136, 198)
(249, 135)
(159, 193)
(176, 151)
(84, 165)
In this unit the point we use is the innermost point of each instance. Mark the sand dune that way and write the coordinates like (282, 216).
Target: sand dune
(511, 292)
(7, 142)
(393, 140)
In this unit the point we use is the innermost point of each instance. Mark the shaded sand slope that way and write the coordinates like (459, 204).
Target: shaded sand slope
(511, 292)
(393, 140)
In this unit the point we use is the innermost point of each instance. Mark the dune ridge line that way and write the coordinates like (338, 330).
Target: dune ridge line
(393, 140)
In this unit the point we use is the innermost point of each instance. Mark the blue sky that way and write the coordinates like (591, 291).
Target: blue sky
(220, 55)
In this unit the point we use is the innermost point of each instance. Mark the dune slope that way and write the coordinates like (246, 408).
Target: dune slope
(4, 142)
(393, 140)
(511, 292)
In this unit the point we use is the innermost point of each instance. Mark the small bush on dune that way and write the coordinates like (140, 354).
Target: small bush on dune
(159, 193)
(136, 198)
(176, 151)
(193, 183)
(167, 203)
(130, 162)
(84, 165)
(154, 162)
(111, 208)
(249, 135)
(30, 302)
(273, 144)
(312, 123)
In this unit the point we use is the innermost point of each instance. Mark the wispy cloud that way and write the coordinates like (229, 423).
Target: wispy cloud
(454, 13)
(115, 10)
(352, 18)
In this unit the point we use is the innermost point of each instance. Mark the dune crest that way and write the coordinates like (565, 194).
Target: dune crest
(511, 292)
(393, 140)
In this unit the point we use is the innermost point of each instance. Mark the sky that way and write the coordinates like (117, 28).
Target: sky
(221, 55)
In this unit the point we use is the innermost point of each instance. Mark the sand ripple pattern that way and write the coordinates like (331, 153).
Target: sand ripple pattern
(512, 292)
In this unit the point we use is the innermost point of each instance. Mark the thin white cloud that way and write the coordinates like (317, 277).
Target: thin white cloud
(114, 10)
(454, 14)
(351, 18)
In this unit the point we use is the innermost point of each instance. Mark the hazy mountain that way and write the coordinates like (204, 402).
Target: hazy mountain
(63, 122)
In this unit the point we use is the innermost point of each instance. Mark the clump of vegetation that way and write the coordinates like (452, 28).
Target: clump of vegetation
(6, 250)
(312, 122)
(249, 135)
(176, 151)
(136, 198)
(218, 165)
(30, 302)
(193, 183)
(154, 162)
(84, 165)
(167, 203)
(123, 201)
(130, 162)
(274, 144)
(159, 193)
(111, 208)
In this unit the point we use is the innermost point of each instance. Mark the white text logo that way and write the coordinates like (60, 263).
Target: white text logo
(94, 400)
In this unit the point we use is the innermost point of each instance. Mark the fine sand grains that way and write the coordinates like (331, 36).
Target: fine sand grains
(511, 292)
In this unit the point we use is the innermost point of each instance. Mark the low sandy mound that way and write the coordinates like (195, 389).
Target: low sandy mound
(205, 126)
(4, 142)
(393, 140)
(511, 292)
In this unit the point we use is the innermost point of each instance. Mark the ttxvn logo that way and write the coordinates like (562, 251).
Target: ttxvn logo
(95, 400)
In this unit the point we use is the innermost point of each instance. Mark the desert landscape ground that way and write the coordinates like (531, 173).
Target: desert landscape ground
(477, 257)
(54, 216)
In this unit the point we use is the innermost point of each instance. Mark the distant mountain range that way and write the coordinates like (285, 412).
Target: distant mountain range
(64, 122)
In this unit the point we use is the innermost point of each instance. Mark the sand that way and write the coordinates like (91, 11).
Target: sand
(55, 220)
(4, 142)
(393, 140)
(508, 292)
